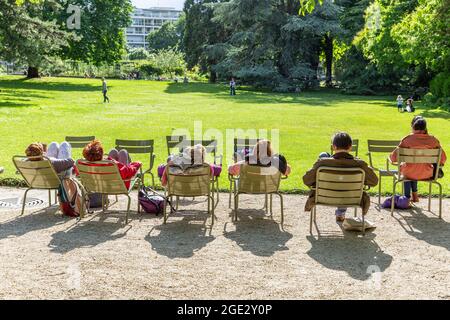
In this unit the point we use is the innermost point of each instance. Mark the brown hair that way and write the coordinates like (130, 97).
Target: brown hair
(262, 149)
(36, 150)
(93, 151)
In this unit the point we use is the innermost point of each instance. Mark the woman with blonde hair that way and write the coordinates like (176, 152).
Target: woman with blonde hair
(262, 155)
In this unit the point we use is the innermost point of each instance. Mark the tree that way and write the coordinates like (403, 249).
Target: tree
(169, 36)
(29, 33)
(138, 54)
(101, 38)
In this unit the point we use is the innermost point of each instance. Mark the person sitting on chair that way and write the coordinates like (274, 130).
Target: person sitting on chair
(342, 158)
(262, 155)
(59, 156)
(418, 139)
(93, 152)
(191, 158)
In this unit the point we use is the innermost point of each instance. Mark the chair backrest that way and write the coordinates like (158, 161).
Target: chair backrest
(381, 146)
(420, 156)
(137, 147)
(339, 186)
(37, 174)
(195, 183)
(79, 142)
(255, 179)
(211, 147)
(175, 142)
(355, 147)
(240, 144)
(101, 177)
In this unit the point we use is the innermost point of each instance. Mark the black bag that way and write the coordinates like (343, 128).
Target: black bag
(151, 201)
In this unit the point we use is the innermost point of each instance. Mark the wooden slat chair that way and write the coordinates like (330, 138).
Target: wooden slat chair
(103, 177)
(239, 146)
(355, 147)
(384, 147)
(140, 147)
(198, 183)
(338, 187)
(419, 156)
(38, 175)
(175, 144)
(79, 142)
(258, 180)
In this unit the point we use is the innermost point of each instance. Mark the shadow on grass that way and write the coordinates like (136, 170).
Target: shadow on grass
(358, 257)
(258, 234)
(251, 95)
(181, 238)
(45, 84)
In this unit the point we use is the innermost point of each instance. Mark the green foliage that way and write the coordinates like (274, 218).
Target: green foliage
(440, 85)
(166, 62)
(101, 38)
(169, 36)
(138, 54)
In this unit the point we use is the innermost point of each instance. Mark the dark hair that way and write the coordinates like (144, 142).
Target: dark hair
(93, 151)
(415, 119)
(342, 140)
(420, 125)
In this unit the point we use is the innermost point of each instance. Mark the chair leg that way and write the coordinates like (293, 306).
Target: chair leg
(429, 196)
(24, 201)
(393, 198)
(236, 203)
(379, 191)
(231, 191)
(266, 203)
(364, 225)
(311, 221)
(356, 212)
(153, 180)
(281, 205)
(271, 204)
(165, 209)
(49, 198)
(440, 199)
(212, 209)
(128, 209)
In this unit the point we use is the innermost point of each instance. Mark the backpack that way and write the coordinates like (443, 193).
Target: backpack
(151, 201)
(70, 198)
(400, 202)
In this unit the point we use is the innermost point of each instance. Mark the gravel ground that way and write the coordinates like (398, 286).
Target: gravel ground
(46, 256)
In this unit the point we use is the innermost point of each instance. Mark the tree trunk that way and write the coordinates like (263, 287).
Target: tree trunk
(212, 76)
(329, 60)
(32, 72)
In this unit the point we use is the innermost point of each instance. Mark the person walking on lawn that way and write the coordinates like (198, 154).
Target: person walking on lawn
(105, 90)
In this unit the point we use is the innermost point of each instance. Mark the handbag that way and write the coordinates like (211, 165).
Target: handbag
(152, 202)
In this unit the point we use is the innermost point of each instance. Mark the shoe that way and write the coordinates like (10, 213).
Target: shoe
(340, 218)
(415, 197)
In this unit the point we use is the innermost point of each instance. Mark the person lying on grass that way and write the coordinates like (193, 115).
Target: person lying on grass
(191, 159)
(93, 152)
(60, 156)
(262, 155)
(342, 146)
(418, 139)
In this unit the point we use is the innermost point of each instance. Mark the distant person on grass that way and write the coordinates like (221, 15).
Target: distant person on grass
(232, 87)
(105, 90)
(400, 103)
(342, 146)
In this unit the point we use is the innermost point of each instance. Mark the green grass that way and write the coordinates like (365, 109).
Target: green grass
(49, 109)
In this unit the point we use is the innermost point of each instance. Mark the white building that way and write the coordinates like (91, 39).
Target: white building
(146, 21)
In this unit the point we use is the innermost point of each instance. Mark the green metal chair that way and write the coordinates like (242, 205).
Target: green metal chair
(38, 174)
(79, 142)
(103, 177)
(419, 156)
(338, 187)
(140, 147)
(355, 147)
(239, 147)
(175, 143)
(195, 182)
(257, 180)
(384, 147)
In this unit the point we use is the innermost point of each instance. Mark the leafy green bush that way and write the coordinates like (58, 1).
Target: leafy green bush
(440, 85)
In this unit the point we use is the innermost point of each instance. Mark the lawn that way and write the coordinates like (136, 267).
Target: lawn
(49, 109)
